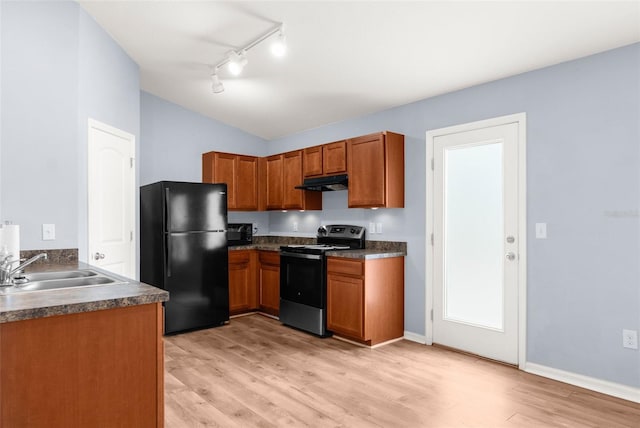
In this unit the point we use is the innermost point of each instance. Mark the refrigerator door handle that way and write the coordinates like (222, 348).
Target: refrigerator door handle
(167, 235)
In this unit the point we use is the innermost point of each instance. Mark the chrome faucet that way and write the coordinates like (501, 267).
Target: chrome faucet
(7, 273)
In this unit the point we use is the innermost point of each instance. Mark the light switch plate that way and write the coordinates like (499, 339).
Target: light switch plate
(372, 228)
(541, 230)
(378, 227)
(48, 232)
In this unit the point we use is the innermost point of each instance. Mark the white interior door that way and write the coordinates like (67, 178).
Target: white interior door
(476, 241)
(111, 198)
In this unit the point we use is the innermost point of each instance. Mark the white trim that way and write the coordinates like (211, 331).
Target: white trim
(520, 119)
(414, 337)
(605, 387)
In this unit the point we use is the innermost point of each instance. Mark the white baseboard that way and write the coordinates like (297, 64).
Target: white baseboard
(610, 388)
(415, 337)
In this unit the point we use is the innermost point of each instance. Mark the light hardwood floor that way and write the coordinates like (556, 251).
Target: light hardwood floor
(255, 372)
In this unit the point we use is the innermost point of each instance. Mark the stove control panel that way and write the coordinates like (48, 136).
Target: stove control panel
(342, 231)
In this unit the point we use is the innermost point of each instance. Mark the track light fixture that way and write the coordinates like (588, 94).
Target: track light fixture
(216, 85)
(279, 45)
(236, 63)
(236, 60)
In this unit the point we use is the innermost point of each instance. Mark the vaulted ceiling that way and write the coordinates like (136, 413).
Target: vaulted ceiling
(347, 59)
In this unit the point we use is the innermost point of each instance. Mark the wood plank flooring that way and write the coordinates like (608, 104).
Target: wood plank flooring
(255, 372)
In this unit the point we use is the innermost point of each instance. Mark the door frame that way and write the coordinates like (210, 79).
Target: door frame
(100, 126)
(520, 119)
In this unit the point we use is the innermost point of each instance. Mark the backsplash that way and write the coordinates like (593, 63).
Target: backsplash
(283, 240)
(60, 256)
(386, 246)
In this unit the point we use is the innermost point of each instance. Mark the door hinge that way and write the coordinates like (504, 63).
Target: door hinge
(431, 315)
(131, 236)
(131, 162)
(433, 164)
(432, 239)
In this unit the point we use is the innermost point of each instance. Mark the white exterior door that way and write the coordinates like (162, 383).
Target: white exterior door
(111, 199)
(476, 240)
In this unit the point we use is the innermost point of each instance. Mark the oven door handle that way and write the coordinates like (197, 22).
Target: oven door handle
(302, 256)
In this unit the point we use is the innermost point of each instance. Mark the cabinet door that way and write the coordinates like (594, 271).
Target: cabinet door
(312, 161)
(335, 158)
(246, 195)
(366, 166)
(292, 166)
(269, 282)
(275, 182)
(242, 282)
(345, 305)
(224, 171)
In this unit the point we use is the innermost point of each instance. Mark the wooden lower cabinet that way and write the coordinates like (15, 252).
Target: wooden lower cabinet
(93, 369)
(269, 282)
(243, 295)
(365, 299)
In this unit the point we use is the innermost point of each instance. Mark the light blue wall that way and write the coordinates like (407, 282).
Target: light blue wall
(174, 138)
(108, 91)
(58, 69)
(583, 179)
(39, 120)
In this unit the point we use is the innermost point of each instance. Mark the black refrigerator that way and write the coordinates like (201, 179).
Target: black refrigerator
(183, 249)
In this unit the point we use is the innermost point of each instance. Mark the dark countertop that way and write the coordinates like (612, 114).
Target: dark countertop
(374, 250)
(39, 304)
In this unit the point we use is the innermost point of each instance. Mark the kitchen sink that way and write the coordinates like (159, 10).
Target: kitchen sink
(44, 281)
(45, 276)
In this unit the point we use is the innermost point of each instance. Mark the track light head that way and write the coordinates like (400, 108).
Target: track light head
(237, 61)
(279, 45)
(216, 85)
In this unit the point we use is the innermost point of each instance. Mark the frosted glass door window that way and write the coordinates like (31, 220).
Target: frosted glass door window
(473, 235)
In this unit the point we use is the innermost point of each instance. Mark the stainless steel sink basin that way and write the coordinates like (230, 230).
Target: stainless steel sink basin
(64, 283)
(45, 276)
(44, 281)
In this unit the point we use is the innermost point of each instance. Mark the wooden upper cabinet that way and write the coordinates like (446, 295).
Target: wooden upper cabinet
(312, 161)
(239, 172)
(296, 199)
(375, 164)
(334, 156)
(275, 182)
(246, 194)
(328, 159)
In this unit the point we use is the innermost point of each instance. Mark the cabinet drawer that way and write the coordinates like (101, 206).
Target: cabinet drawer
(239, 257)
(269, 257)
(345, 266)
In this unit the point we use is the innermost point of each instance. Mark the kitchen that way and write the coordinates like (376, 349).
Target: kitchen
(45, 123)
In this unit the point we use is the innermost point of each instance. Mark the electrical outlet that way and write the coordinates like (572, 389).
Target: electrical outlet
(372, 228)
(630, 339)
(379, 228)
(295, 226)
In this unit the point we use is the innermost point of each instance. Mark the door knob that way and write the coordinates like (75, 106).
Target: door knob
(511, 256)
(98, 256)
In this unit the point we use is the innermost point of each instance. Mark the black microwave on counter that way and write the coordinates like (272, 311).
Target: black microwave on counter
(239, 234)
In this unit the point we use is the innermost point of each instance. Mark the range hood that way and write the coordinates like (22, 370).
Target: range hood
(325, 184)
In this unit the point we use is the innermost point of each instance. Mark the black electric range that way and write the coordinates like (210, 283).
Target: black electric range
(303, 285)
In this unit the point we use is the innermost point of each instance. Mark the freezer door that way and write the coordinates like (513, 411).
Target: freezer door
(197, 279)
(195, 207)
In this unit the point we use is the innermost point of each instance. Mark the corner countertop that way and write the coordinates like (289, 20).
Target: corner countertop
(40, 304)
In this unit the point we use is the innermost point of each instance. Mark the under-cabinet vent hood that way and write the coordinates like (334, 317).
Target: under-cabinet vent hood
(325, 184)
